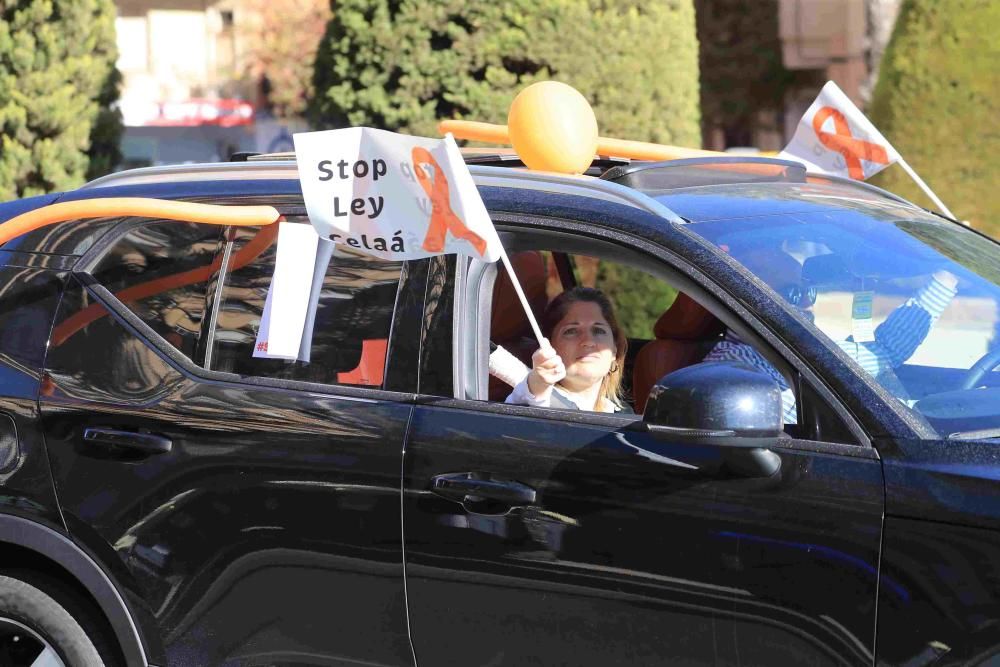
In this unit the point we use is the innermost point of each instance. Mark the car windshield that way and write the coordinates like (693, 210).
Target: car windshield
(913, 299)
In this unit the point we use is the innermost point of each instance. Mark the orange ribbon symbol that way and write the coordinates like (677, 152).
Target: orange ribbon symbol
(443, 219)
(842, 141)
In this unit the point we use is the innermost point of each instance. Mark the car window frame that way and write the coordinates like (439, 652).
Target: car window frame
(190, 368)
(658, 261)
(92, 257)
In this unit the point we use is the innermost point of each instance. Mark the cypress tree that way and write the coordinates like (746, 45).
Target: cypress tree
(404, 65)
(57, 83)
(938, 100)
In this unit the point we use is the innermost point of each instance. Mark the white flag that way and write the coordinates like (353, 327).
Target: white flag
(393, 196)
(282, 333)
(835, 137)
(384, 194)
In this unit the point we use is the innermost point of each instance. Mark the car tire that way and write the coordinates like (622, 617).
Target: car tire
(34, 623)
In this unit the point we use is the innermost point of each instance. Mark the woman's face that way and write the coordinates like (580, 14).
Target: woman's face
(584, 340)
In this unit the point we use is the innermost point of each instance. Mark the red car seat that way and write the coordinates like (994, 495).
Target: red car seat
(685, 333)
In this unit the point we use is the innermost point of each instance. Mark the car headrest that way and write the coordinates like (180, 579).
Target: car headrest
(775, 267)
(827, 270)
(508, 320)
(685, 319)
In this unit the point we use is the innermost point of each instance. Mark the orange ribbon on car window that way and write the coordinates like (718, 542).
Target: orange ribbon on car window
(443, 219)
(841, 140)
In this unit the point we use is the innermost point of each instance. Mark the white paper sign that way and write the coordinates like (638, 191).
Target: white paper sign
(393, 196)
(862, 327)
(288, 298)
(836, 138)
(324, 252)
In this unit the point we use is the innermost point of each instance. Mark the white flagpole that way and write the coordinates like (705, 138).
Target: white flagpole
(520, 294)
(923, 186)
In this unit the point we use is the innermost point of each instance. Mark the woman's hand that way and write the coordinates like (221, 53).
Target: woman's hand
(546, 369)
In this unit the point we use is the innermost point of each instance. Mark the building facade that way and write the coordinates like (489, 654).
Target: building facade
(188, 94)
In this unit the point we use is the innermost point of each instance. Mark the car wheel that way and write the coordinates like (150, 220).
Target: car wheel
(38, 631)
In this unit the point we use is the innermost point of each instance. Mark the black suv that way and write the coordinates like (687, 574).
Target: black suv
(167, 498)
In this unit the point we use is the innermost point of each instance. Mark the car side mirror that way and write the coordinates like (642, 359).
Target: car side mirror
(723, 403)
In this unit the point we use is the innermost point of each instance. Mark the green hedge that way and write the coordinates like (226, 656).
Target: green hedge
(406, 65)
(638, 297)
(742, 73)
(57, 83)
(938, 102)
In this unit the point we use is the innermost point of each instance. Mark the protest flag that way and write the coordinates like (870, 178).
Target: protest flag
(834, 137)
(389, 195)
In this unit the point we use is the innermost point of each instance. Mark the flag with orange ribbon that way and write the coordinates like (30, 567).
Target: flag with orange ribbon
(835, 137)
(393, 196)
(389, 195)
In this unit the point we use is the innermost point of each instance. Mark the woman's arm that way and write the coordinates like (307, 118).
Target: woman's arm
(907, 326)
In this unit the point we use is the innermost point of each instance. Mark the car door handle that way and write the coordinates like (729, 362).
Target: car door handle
(127, 443)
(464, 486)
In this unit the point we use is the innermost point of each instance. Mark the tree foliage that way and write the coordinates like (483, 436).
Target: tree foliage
(404, 65)
(938, 100)
(638, 297)
(57, 82)
(283, 37)
(741, 67)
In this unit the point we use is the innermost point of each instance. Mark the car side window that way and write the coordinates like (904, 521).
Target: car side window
(666, 330)
(662, 334)
(161, 271)
(353, 315)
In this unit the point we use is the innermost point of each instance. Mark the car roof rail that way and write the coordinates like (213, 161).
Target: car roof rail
(874, 189)
(206, 171)
(660, 177)
(701, 171)
(568, 184)
(484, 175)
(497, 157)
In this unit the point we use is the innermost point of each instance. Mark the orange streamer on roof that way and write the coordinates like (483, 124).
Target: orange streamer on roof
(110, 207)
(634, 150)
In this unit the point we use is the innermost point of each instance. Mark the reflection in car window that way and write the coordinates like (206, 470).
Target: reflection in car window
(353, 316)
(667, 330)
(915, 302)
(161, 272)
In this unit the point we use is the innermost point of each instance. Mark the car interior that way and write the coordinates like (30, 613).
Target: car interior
(682, 335)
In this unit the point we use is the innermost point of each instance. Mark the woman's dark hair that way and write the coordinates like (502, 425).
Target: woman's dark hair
(611, 387)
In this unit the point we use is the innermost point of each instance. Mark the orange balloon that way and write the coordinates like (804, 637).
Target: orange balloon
(553, 128)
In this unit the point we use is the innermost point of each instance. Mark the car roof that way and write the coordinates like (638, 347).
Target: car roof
(679, 191)
(281, 177)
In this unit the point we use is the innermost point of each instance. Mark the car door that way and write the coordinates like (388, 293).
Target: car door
(251, 505)
(539, 536)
